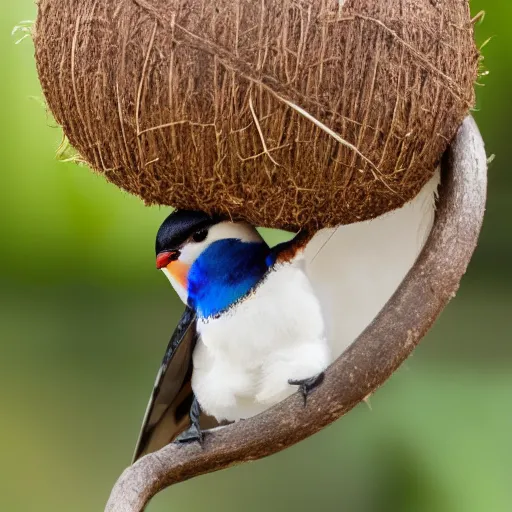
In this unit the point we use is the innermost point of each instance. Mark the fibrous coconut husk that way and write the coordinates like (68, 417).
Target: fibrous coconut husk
(289, 114)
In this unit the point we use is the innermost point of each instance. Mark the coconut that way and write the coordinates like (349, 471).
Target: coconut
(288, 114)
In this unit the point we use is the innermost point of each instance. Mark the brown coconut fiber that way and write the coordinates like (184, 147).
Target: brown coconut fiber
(304, 113)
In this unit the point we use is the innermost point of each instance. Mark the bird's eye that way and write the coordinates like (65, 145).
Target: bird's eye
(199, 236)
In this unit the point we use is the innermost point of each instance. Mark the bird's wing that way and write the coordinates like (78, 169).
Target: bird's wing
(167, 413)
(355, 269)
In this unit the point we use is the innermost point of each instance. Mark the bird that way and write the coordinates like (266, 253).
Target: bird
(345, 275)
(252, 332)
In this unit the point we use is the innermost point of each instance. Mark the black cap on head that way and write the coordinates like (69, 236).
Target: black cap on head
(179, 226)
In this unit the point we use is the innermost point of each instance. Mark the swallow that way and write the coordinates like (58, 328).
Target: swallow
(252, 332)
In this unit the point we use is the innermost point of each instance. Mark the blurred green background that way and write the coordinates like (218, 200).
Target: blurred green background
(84, 319)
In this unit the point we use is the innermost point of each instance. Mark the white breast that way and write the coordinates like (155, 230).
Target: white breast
(244, 358)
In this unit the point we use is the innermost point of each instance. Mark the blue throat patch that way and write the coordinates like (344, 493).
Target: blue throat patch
(224, 273)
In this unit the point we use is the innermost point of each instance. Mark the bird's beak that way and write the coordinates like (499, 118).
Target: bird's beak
(164, 258)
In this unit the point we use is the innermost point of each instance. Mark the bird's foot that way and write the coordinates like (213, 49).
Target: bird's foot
(193, 434)
(307, 385)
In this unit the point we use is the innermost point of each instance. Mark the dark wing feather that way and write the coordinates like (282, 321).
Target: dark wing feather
(169, 405)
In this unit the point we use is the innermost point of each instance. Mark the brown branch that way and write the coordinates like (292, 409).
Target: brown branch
(375, 355)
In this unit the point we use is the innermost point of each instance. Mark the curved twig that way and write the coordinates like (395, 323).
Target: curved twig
(374, 356)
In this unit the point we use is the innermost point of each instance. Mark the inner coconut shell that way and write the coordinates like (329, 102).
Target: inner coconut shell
(289, 114)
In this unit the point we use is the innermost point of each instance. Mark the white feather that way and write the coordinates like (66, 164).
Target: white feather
(180, 290)
(362, 264)
(244, 358)
(305, 313)
(190, 251)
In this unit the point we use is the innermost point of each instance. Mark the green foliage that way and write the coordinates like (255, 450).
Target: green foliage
(67, 153)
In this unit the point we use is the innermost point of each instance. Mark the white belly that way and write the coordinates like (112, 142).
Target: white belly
(244, 359)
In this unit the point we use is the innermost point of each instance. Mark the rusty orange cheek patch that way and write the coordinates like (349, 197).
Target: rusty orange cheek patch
(179, 271)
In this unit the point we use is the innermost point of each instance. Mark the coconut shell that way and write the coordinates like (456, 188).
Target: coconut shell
(288, 114)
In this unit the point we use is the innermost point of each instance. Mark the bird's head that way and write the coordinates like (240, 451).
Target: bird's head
(183, 237)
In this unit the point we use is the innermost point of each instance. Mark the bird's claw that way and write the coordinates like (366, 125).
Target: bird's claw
(193, 434)
(307, 385)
